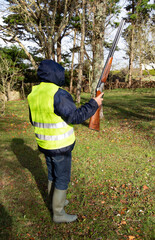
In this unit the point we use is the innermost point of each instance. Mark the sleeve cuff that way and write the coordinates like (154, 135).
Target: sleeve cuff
(94, 103)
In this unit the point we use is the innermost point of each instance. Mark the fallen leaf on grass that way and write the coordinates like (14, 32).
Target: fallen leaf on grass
(132, 237)
(122, 212)
(123, 222)
(145, 187)
(123, 201)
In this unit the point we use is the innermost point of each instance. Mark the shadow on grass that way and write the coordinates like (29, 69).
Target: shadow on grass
(86, 124)
(137, 109)
(30, 159)
(5, 224)
(130, 113)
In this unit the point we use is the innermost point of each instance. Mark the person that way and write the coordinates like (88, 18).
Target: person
(53, 113)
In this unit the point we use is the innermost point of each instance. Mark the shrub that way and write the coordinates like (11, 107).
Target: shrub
(149, 72)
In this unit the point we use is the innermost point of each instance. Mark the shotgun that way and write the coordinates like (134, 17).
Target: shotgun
(95, 119)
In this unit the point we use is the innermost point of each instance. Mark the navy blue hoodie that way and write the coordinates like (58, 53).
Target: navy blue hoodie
(52, 72)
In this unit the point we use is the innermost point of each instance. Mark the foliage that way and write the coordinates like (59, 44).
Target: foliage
(141, 11)
(112, 179)
(121, 74)
(118, 74)
(139, 15)
(10, 74)
(18, 60)
(30, 76)
(14, 53)
(149, 72)
(42, 22)
(46, 23)
(75, 21)
(67, 78)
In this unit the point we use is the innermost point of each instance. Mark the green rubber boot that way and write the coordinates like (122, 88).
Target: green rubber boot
(59, 214)
(50, 194)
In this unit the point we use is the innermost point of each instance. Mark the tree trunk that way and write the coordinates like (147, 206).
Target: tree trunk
(48, 47)
(53, 53)
(80, 73)
(59, 50)
(23, 90)
(72, 65)
(97, 42)
(140, 56)
(90, 79)
(98, 39)
(3, 98)
(8, 90)
(2, 105)
(140, 71)
(131, 56)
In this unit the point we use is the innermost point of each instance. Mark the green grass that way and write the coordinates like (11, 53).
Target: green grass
(112, 183)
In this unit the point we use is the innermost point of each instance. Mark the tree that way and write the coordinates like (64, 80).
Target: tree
(100, 16)
(143, 16)
(72, 64)
(96, 16)
(76, 26)
(131, 31)
(9, 75)
(148, 42)
(138, 15)
(17, 58)
(81, 62)
(41, 22)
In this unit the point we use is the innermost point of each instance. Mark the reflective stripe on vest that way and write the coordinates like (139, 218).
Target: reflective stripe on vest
(55, 138)
(49, 125)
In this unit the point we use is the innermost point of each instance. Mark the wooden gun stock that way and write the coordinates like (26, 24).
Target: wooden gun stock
(94, 122)
(107, 70)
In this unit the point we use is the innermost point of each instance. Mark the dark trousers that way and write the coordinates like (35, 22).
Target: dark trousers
(59, 169)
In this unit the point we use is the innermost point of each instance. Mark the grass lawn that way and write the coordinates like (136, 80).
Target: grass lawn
(112, 183)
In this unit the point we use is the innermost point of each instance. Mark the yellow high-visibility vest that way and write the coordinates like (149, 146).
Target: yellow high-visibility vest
(51, 131)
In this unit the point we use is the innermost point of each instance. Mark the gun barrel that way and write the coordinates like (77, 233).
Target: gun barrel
(114, 45)
(112, 50)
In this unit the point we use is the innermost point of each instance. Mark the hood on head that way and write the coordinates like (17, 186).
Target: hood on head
(50, 71)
